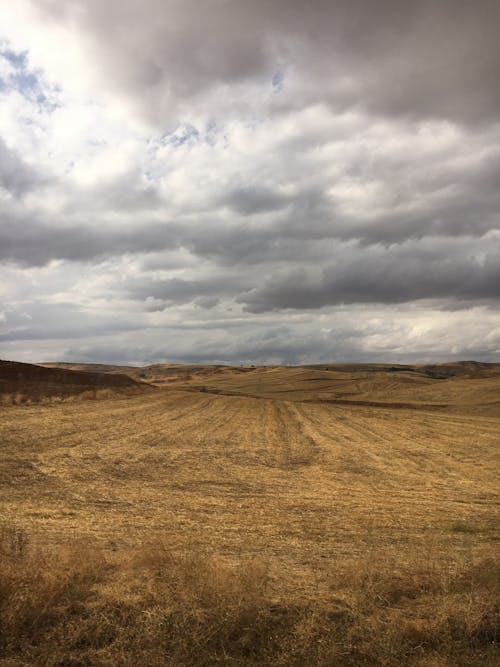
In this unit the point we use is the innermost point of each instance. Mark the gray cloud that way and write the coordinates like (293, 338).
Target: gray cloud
(391, 275)
(416, 58)
(16, 176)
(314, 182)
(255, 199)
(178, 290)
(30, 244)
(420, 201)
(249, 347)
(63, 321)
(346, 338)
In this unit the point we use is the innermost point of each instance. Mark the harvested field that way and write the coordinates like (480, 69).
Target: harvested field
(376, 514)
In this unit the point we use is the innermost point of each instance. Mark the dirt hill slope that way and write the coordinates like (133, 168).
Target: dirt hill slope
(152, 373)
(32, 382)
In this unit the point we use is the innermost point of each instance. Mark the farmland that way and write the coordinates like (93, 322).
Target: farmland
(366, 496)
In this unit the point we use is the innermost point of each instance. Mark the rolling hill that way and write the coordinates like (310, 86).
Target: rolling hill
(23, 382)
(261, 516)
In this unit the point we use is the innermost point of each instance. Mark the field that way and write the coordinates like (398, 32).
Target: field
(287, 516)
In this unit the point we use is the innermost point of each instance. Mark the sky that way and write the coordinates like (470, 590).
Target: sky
(265, 182)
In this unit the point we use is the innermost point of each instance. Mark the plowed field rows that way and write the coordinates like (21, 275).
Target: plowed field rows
(296, 483)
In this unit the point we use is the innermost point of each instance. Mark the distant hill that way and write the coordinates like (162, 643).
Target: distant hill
(437, 371)
(91, 368)
(151, 373)
(166, 374)
(34, 382)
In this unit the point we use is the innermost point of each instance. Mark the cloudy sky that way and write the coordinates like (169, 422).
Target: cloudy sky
(230, 181)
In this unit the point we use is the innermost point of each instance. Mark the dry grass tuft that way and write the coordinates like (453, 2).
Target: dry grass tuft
(159, 606)
(41, 593)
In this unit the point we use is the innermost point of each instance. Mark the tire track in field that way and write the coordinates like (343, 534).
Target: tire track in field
(224, 412)
(107, 421)
(433, 433)
(357, 425)
(395, 447)
(290, 446)
(190, 418)
(104, 435)
(148, 429)
(244, 435)
(165, 420)
(278, 446)
(255, 438)
(138, 451)
(349, 449)
(481, 423)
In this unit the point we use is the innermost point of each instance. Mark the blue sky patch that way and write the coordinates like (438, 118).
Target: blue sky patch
(25, 80)
(183, 134)
(19, 59)
(278, 80)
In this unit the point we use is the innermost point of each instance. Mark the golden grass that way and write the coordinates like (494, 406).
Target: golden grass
(30, 398)
(192, 528)
(157, 606)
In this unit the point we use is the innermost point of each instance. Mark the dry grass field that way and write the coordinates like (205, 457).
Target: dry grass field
(267, 516)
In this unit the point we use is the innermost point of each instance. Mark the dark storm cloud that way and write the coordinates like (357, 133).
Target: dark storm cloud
(420, 58)
(306, 233)
(458, 272)
(254, 346)
(269, 342)
(445, 198)
(31, 244)
(380, 276)
(160, 293)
